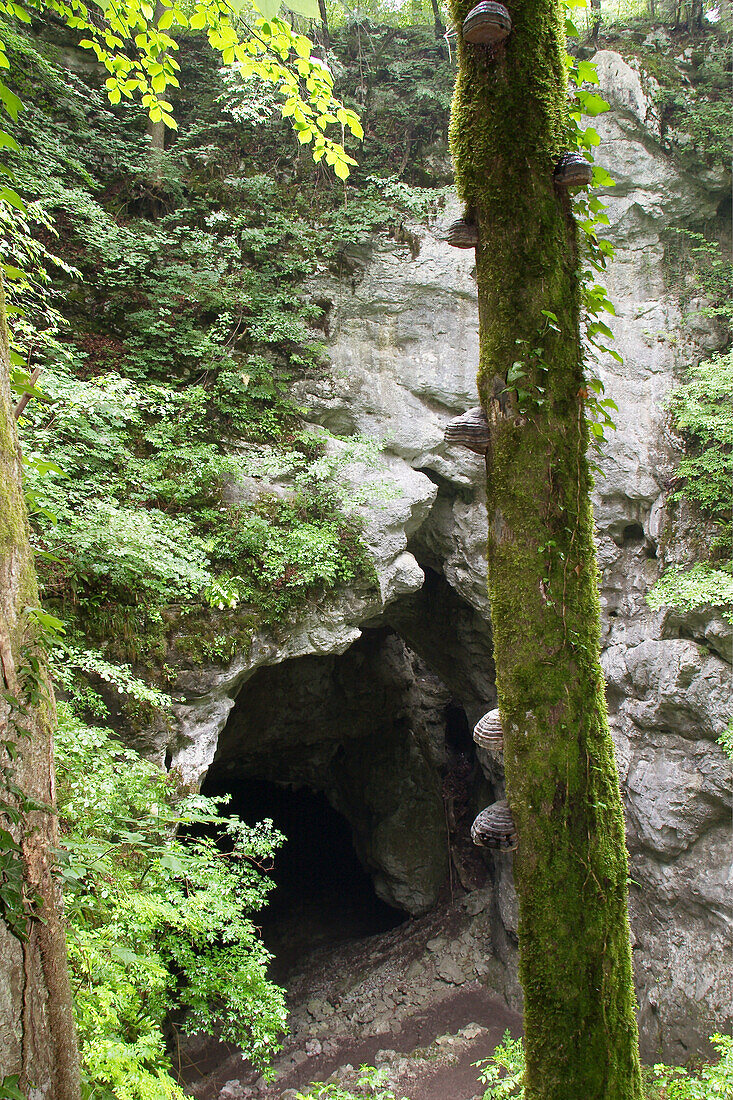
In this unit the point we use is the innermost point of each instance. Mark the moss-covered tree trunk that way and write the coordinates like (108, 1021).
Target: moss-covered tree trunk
(508, 128)
(37, 1039)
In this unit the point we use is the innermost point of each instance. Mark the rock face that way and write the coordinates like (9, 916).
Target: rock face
(360, 714)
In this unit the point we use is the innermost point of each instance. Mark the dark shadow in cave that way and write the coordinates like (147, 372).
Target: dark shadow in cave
(458, 736)
(323, 895)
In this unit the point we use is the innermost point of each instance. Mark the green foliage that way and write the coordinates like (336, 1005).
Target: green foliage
(709, 1082)
(9, 1089)
(726, 740)
(503, 1073)
(138, 51)
(369, 1086)
(203, 329)
(710, 125)
(702, 411)
(699, 586)
(159, 922)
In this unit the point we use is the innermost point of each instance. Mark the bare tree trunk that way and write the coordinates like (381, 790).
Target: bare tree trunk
(324, 25)
(37, 1036)
(156, 130)
(439, 25)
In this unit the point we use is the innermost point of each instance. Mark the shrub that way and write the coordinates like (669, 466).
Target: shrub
(159, 924)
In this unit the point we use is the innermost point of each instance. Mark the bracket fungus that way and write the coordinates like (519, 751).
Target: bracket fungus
(573, 170)
(488, 732)
(487, 23)
(470, 430)
(494, 828)
(461, 234)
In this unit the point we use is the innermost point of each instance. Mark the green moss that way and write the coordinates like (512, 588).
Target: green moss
(200, 638)
(507, 129)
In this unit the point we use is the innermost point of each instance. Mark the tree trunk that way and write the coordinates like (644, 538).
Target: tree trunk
(324, 25)
(37, 1038)
(156, 130)
(508, 128)
(439, 26)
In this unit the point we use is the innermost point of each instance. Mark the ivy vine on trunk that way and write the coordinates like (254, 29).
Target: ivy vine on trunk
(509, 125)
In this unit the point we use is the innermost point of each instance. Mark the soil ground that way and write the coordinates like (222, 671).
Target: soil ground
(414, 1000)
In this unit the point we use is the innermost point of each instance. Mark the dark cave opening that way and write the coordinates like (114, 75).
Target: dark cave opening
(322, 895)
(458, 736)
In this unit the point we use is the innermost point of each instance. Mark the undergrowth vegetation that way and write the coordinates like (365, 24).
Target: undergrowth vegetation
(180, 311)
(701, 410)
(161, 938)
(503, 1074)
(178, 500)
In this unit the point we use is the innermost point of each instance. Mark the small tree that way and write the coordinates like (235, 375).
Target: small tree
(509, 126)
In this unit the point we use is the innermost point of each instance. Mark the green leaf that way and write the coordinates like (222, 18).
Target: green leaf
(8, 142)
(586, 73)
(11, 101)
(602, 178)
(12, 198)
(268, 8)
(125, 955)
(173, 864)
(592, 104)
(308, 8)
(10, 1090)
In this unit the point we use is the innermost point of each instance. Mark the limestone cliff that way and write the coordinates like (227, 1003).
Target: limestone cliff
(365, 727)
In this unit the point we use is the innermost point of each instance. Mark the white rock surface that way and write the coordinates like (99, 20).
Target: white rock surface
(404, 354)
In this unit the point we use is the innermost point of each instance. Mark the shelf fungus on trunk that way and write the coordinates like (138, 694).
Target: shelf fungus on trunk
(573, 170)
(470, 430)
(488, 732)
(494, 828)
(487, 24)
(461, 234)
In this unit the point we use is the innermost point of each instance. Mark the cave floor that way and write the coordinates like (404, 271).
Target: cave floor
(416, 1000)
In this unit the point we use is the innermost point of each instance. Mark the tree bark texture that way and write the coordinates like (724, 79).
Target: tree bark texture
(37, 1036)
(508, 127)
(156, 130)
(324, 25)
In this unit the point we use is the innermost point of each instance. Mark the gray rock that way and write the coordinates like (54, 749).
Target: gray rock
(451, 971)
(232, 1090)
(365, 723)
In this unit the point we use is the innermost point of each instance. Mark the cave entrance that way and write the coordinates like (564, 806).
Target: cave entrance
(322, 895)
